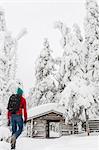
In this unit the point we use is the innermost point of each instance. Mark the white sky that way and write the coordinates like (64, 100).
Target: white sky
(39, 17)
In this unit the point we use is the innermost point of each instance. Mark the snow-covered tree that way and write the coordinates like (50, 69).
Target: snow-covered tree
(77, 77)
(84, 75)
(71, 75)
(92, 50)
(71, 59)
(45, 87)
(92, 40)
(30, 98)
(44, 63)
(77, 97)
(64, 30)
(8, 64)
(7, 61)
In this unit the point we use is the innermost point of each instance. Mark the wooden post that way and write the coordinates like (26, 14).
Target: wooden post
(27, 128)
(31, 128)
(73, 127)
(60, 127)
(87, 123)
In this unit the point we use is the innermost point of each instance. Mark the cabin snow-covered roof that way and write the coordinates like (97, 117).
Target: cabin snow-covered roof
(44, 109)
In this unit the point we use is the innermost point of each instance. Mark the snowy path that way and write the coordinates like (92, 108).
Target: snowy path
(63, 143)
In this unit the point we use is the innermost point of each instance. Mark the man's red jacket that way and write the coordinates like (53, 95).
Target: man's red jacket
(21, 110)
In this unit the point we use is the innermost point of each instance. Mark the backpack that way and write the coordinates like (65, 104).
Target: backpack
(14, 103)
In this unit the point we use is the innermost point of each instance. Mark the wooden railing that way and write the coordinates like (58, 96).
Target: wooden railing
(94, 125)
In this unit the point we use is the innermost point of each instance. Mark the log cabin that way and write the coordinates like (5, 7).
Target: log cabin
(47, 121)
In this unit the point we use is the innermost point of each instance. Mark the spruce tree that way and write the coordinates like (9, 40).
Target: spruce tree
(44, 89)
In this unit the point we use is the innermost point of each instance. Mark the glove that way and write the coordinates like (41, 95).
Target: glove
(8, 124)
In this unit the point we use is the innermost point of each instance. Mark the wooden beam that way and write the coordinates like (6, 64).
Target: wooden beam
(31, 128)
(58, 118)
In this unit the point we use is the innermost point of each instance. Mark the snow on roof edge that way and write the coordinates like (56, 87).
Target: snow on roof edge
(45, 108)
(39, 115)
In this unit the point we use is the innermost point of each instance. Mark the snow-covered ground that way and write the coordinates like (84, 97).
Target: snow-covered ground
(79, 142)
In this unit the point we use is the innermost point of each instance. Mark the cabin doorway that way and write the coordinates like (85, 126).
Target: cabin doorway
(53, 129)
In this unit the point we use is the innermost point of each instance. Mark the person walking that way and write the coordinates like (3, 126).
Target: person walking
(16, 110)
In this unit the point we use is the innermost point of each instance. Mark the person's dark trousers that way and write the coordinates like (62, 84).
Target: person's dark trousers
(17, 125)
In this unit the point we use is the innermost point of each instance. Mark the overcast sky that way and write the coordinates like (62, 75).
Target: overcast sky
(39, 17)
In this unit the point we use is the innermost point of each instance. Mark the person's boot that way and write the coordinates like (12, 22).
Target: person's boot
(13, 142)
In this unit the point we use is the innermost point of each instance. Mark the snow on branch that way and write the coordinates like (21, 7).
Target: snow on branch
(22, 33)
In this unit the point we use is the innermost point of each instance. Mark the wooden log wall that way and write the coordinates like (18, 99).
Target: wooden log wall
(39, 128)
